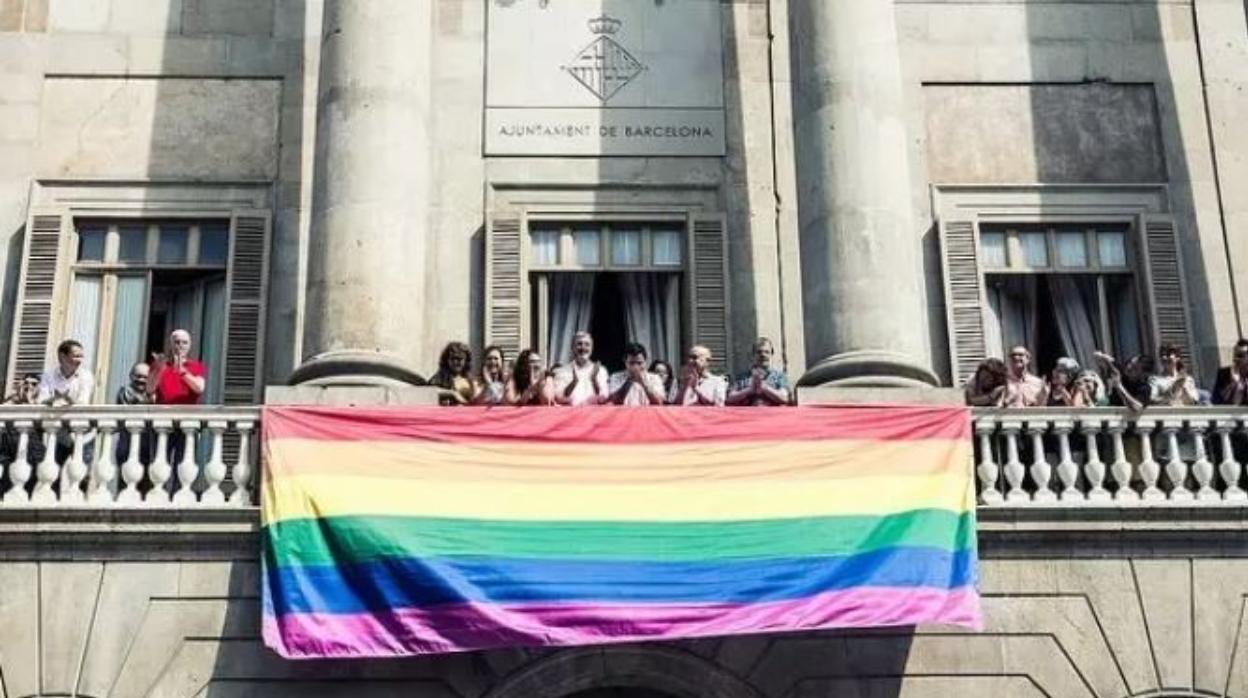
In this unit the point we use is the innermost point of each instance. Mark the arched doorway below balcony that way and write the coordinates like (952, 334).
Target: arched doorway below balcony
(621, 692)
(625, 671)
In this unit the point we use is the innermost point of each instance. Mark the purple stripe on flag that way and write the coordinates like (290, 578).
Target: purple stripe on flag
(464, 627)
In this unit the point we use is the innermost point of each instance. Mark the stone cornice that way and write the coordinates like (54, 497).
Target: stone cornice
(1004, 533)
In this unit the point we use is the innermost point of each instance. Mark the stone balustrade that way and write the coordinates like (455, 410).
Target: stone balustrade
(1111, 457)
(120, 457)
(109, 457)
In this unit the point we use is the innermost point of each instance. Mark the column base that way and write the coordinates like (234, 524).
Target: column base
(355, 368)
(869, 369)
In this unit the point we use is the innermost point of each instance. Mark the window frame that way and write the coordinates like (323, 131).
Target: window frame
(1091, 228)
(566, 257)
(539, 275)
(1145, 209)
(112, 268)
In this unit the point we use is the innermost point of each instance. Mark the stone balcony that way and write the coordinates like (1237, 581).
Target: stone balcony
(102, 457)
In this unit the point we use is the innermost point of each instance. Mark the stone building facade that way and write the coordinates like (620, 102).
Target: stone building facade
(328, 190)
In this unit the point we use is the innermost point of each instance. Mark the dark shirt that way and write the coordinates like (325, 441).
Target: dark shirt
(1220, 385)
(127, 395)
(1139, 390)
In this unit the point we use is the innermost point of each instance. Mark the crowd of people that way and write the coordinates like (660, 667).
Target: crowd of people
(171, 378)
(585, 381)
(1137, 383)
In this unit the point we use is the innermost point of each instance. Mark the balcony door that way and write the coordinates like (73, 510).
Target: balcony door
(622, 282)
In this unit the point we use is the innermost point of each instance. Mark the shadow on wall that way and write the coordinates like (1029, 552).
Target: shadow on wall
(1106, 110)
(243, 122)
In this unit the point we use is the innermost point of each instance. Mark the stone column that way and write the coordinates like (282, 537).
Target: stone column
(862, 283)
(364, 315)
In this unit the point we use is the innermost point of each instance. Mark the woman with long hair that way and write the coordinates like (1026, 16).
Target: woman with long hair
(987, 387)
(454, 374)
(492, 382)
(530, 382)
(663, 370)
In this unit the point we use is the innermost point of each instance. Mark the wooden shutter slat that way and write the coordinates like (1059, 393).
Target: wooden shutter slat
(504, 316)
(1167, 287)
(708, 262)
(245, 315)
(964, 300)
(37, 286)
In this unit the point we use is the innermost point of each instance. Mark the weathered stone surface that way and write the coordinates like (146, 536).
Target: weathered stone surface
(1080, 133)
(126, 592)
(69, 595)
(216, 17)
(167, 128)
(78, 16)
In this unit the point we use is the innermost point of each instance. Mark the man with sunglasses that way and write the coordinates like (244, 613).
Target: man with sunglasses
(1231, 385)
(698, 386)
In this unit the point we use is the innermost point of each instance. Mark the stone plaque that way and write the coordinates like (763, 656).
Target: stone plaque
(603, 77)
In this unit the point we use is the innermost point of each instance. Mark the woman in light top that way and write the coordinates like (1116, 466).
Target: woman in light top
(1172, 386)
(492, 383)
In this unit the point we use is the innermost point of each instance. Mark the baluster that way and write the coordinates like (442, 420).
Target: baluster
(1230, 469)
(1149, 469)
(1067, 470)
(1041, 471)
(1176, 467)
(1014, 470)
(188, 469)
(988, 470)
(103, 483)
(1120, 469)
(19, 469)
(241, 496)
(75, 469)
(1093, 467)
(214, 469)
(47, 470)
(1202, 469)
(159, 471)
(132, 469)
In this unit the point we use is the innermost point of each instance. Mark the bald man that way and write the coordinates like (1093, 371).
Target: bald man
(698, 386)
(177, 378)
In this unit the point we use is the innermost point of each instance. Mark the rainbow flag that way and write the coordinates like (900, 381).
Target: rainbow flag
(392, 532)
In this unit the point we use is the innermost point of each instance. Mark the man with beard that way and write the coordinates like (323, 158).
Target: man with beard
(583, 381)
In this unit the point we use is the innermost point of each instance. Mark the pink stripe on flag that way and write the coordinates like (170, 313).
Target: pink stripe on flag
(465, 627)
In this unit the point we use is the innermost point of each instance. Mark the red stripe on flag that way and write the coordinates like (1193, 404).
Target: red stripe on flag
(615, 425)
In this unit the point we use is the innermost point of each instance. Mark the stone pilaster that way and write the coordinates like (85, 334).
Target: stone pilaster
(865, 317)
(370, 202)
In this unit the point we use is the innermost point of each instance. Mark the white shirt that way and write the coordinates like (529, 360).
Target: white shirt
(586, 376)
(711, 386)
(636, 396)
(78, 386)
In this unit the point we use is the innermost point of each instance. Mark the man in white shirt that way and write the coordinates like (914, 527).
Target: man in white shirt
(68, 383)
(584, 381)
(635, 386)
(698, 386)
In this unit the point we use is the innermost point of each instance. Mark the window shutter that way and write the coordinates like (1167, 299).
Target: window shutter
(38, 288)
(708, 266)
(1163, 265)
(964, 298)
(247, 281)
(504, 295)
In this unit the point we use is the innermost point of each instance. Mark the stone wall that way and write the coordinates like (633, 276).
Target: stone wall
(184, 91)
(1104, 604)
(104, 89)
